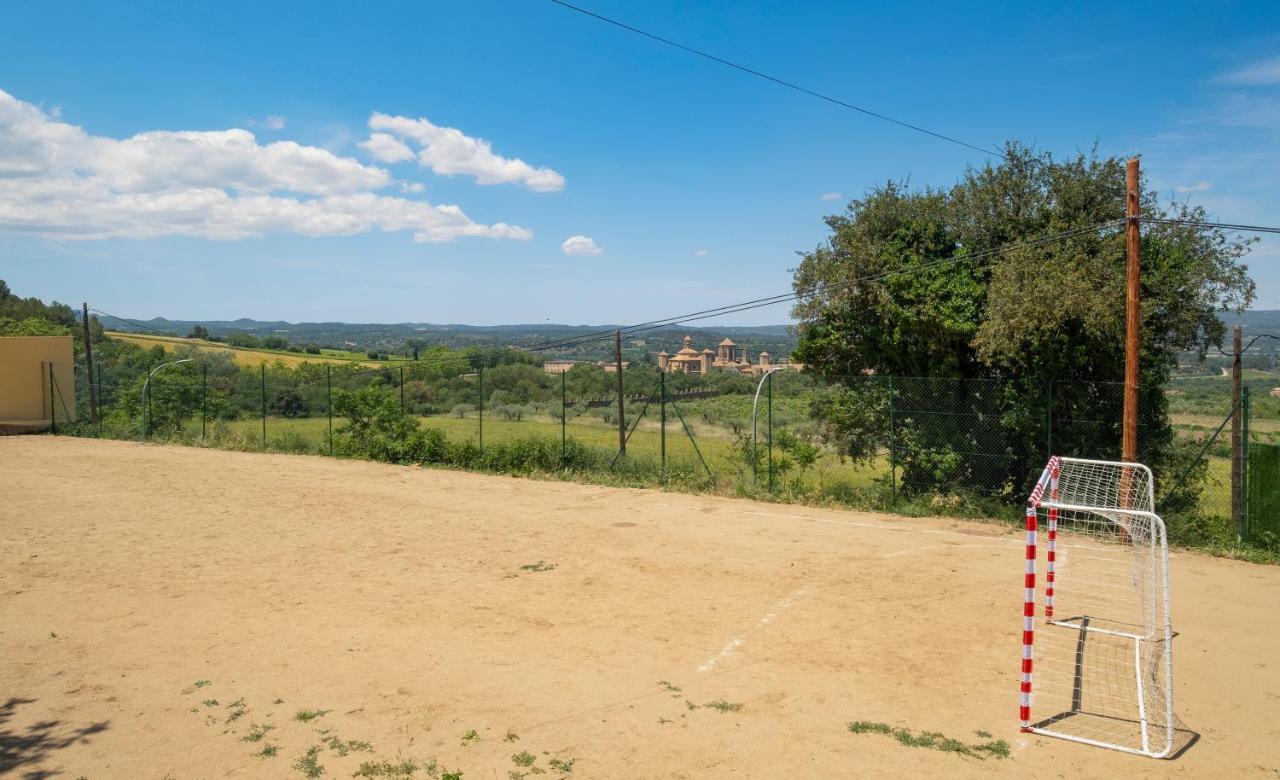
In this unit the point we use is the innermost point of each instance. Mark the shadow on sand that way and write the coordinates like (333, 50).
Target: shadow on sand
(23, 750)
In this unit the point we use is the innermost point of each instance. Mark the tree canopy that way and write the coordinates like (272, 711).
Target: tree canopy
(955, 283)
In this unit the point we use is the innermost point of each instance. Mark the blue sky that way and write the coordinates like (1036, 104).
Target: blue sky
(687, 184)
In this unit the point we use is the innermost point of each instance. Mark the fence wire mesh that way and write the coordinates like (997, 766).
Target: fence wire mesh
(918, 443)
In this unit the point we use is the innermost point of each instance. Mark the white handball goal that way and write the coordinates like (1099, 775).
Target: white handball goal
(1102, 650)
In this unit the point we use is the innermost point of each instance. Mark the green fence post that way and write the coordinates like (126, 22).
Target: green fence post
(402, 389)
(204, 398)
(769, 391)
(98, 378)
(328, 392)
(1244, 476)
(480, 384)
(264, 405)
(564, 416)
(893, 451)
(662, 425)
(146, 404)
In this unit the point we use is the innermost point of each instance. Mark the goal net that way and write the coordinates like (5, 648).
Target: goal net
(1098, 626)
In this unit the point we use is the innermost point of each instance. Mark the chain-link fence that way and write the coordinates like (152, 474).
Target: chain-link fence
(919, 444)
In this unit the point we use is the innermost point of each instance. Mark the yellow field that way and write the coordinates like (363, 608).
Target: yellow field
(242, 355)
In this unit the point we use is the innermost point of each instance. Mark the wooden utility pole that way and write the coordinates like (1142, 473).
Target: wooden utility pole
(1237, 451)
(88, 364)
(617, 367)
(1133, 244)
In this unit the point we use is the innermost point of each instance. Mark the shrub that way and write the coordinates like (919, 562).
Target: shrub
(378, 429)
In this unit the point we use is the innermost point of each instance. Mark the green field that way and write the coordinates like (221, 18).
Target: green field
(714, 442)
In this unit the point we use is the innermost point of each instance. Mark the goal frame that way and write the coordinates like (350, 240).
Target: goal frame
(1046, 496)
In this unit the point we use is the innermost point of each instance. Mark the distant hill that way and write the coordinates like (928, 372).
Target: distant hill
(395, 337)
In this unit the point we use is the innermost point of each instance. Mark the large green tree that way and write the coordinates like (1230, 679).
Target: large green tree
(954, 284)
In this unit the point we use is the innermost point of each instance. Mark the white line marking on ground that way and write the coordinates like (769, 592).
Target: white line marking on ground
(736, 642)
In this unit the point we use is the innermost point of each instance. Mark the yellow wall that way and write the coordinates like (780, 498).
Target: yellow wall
(24, 377)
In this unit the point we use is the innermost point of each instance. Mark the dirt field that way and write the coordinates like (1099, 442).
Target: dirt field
(156, 603)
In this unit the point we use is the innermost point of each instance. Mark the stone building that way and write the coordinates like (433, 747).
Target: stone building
(728, 356)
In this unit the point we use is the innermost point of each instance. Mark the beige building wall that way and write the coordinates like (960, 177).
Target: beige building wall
(24, 377)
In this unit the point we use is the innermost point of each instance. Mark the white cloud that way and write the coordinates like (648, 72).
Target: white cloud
(387, 148)
(581, 245)
(1262, 73)
(274, 122)
(702, 253)
(59, 181)
(831, 196)
(1200, 186)
(448, 151)
(412, 186)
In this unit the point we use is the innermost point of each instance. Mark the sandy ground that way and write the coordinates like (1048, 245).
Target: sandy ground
(395, 600)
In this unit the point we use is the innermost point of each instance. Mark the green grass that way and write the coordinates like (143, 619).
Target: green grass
(523, 758)
(934, 740)
(309, 763)
(306, 716)
(722, 706)
(562, 764)
(342, 748)
(714, 441)
(403, 768)
(256, 732)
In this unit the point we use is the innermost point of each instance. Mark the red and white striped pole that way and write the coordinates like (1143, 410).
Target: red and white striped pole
(1029, 598)
(1052, 552)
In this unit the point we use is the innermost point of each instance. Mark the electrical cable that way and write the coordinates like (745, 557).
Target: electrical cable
(776, 80)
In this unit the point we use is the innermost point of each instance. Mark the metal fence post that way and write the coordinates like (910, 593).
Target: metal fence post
(1244, 470)
(328, 393)
(769, 390)
(98, 378)
(402, 389)
(662, 425)
(564, 416)
(53, 409)
(263, 366)
(204, 398)
(480, 384)
(893, 451)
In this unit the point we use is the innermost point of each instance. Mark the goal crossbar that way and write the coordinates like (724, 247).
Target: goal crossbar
(1103, 666)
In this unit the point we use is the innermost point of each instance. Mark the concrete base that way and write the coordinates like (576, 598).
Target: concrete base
(19, 427)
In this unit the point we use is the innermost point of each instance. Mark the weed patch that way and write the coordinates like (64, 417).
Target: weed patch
(934, 740)
(256, 732)
(403, 768)
(309, 763)
(342, 748)
(564, 765)
(306, 716)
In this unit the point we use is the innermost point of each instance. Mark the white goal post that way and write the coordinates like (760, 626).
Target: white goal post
(1103, 656)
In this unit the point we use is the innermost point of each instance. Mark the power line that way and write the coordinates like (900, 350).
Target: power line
(757, 303)
(776, 80)
(135, 323)
(1218, 225)
(785, 297)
